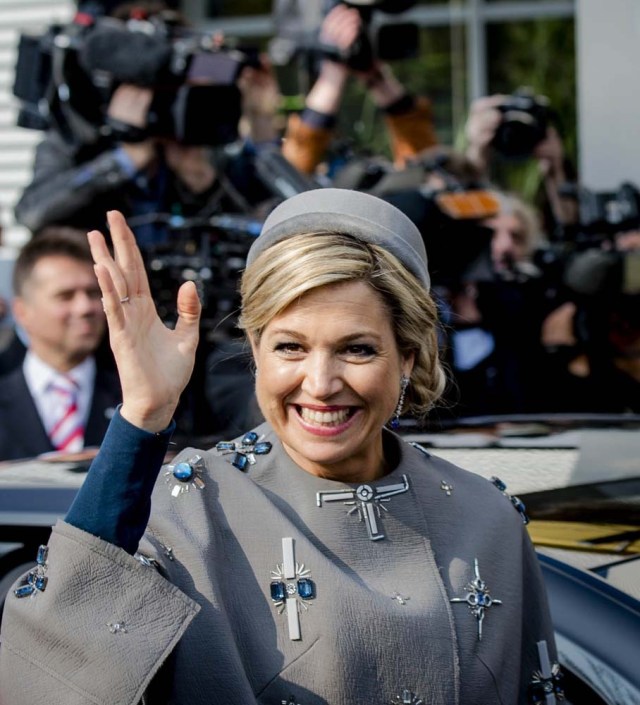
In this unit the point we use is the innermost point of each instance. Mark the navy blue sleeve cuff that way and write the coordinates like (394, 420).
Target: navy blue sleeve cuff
(114, 501)
(322, 121)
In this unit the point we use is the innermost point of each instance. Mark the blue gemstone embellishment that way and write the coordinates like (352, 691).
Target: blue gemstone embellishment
(240, 461)
(24, 591)
(183, 472)
(306, 588)
(245, 451)
(43, 552)
(498, 483)
(226, 445)
(36, 580)
(187, 473)
(278, 591)
(516, 501)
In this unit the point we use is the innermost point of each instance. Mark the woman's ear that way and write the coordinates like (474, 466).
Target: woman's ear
(254, 346)
(408, 362)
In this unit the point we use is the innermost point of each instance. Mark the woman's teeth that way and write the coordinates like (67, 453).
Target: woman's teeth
(331, 418)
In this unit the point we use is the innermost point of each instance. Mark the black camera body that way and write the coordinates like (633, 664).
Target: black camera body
(587, 262)
(298, 25)
(66, 77)
(605, 213)
(525, 119)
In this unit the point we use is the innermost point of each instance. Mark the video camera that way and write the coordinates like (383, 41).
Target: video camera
(66, 76)
(525, 118)
(298, 26)
(588, 261)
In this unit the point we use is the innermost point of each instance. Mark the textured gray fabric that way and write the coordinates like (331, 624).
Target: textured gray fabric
(349, 212)
(57, 645)
(360, 645)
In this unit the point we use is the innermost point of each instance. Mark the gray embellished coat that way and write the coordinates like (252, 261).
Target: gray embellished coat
(276, 587)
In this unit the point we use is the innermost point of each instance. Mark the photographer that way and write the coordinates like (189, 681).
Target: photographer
(138, 171)
(491, 296)
(593, 338)
(408, 118)
(517, 127)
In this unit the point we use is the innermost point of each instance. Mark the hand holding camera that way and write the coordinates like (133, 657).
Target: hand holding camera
(128, 109)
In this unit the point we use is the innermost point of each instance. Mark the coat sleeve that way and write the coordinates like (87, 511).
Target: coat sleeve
(411, 130)
(97, 633)
(537, 627)
(61, 186)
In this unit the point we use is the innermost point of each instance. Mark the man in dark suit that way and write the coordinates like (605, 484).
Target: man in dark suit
(62, 395)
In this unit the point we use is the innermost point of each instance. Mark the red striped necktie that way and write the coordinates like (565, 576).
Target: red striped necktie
(67, 433)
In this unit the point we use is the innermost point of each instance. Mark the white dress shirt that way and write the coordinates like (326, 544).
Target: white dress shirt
(39, 376)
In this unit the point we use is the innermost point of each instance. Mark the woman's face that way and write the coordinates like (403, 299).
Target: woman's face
(328, 379)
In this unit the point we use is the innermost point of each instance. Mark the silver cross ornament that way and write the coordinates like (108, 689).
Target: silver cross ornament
(291, 587)
(406, 697)
(546, 684)
(478, 598)
(367, 502)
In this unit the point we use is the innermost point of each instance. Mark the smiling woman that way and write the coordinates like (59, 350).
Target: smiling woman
(316, 560)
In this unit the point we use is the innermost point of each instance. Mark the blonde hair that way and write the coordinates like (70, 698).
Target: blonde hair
(286, 271)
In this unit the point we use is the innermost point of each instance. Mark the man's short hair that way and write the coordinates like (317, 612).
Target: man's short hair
(50, 241)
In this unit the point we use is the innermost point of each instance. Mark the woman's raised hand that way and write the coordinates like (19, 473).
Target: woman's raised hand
(154, 362)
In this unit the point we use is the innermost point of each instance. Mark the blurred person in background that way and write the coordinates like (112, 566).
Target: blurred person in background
(498, 125)
(592, 339)
(408, 118)
(62, 396)
(149, 177)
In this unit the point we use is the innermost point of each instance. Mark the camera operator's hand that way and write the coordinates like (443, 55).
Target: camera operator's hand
(129, 106)
(627, 241)
(260, 101)
(192, 165)
(340, 29)
(482, 123)
(550, 155)
(154, 362)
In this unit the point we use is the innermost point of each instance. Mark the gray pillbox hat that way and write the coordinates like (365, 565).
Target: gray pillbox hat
(361, 215)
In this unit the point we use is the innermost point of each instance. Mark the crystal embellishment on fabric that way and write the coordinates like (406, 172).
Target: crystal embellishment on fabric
(406, 697)
(446, 487)
(516, 501)
(478, 598)
(117, 627)
(367, 502)
(185, 475)
(546, 684)
(36, 580)
(291, 587)
(399, 598)
(244, 452)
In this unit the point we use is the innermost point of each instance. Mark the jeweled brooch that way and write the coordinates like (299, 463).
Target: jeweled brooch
(185, 475)
(516, 501)
(478, 598)
(546, 685)
(291, 588)
(406, 697)
(36, 580)
(245, 451)
(366, 501)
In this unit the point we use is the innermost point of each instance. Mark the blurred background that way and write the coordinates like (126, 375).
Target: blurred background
(579, 53)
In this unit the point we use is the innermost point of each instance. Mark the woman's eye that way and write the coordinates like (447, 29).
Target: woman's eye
(288, 348)
(360, 350)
